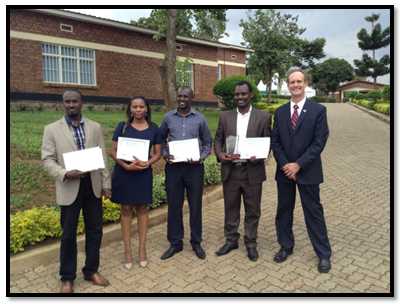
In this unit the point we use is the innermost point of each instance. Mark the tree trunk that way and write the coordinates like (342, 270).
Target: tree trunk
(268, 83)
(170, 61)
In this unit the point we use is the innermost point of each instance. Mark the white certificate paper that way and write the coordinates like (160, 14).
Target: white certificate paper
(182, 150)
(253, 146)
(85, 160)
(131, 148)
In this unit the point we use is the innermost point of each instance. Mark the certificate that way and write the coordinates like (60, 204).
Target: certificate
(85, 160)
(133, 148)
(182, 150)
(253, 146)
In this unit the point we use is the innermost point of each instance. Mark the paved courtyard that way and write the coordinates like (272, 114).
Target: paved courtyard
(356, 199)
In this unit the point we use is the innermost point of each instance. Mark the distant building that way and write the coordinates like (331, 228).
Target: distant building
(360, 86)
(52, 49)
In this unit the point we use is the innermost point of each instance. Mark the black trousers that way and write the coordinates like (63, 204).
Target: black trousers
(313, 216)
(178, 178)
(93, 219)
(234, 188)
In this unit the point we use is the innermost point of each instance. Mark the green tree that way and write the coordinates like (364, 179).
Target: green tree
(277, 45)
(378, 38)
(208, 24)
(198, 23)
(327, 76)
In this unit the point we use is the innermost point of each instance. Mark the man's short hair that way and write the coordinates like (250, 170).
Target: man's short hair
(75, 91)
(186, 88)
(244, 82)
(297, 69)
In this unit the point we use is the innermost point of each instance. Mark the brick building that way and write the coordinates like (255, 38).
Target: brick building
(356, 85)
(51, 50)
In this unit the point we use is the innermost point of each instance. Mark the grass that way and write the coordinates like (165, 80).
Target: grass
(30, 183)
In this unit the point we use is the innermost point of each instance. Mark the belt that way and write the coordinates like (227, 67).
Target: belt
(240, 163)
(85, 175)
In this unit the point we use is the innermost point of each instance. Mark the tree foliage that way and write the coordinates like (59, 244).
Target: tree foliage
(198, 23)
(277, 44)
(327, 76)
(378, 38)
(208, 24)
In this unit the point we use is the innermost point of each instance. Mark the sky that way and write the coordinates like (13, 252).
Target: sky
(339, 27)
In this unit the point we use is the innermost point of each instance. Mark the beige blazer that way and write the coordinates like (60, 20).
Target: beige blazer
(259, 126)
(58, 139)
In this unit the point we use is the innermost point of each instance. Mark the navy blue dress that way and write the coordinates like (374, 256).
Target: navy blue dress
(134, 187)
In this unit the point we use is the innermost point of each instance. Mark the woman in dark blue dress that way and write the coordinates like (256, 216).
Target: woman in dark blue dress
(132, 182)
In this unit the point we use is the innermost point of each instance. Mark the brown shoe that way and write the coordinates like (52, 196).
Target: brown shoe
(67, 287)
(98, 279)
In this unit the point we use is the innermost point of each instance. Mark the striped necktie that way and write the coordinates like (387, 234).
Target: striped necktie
(295, 117)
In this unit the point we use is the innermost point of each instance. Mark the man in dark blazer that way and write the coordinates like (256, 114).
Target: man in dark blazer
(298, 137)
(241, 178)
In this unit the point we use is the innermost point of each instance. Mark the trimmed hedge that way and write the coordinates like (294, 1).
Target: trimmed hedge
(383, 108)
(224, 89)
(378, 106)
(32, 226)
(269, 107)
(323, 99)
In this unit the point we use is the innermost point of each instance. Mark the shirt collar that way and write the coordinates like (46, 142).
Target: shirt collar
(69, 121)
(248, 112)
(190, 112)
(300, 103)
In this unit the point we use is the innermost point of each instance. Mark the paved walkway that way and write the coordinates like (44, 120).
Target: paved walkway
(356, 203)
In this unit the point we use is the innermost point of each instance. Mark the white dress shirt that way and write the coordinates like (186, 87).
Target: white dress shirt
(300, 104)
(242, 122)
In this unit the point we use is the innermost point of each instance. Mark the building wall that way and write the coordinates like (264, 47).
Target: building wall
(117, 74)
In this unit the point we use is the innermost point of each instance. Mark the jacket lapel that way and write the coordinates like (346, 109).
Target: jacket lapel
(234, 122)
(88, 134)
(68, 134)
(302, 115)
(252, 122)
(287, 117)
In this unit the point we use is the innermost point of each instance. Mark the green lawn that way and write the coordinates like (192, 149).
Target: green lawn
(30, 184)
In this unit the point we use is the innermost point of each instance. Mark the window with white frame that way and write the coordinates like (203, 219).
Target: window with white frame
(68, 65)
(184, 74)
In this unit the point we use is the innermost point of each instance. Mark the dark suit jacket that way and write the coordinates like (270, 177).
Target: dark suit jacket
(302, 145)
(259, 126)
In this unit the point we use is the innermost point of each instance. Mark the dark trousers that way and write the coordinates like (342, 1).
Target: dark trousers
(93, 219)
(313, 215)
(234, 188)
(178, 178)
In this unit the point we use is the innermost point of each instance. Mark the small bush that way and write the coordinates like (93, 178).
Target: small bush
(382, 108)
(322, 99)
(386, 92)
(224, 89)
(212, 171)
(374, 95)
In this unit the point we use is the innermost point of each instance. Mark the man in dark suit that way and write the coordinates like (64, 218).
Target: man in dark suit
(241, 178)
(298, 137)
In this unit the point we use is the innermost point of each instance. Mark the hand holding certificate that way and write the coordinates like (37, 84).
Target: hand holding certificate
(253, 146)
(130, 149)
(184, 150)
(85, 160)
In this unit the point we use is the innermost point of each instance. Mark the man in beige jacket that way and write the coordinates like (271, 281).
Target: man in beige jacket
(76, 190)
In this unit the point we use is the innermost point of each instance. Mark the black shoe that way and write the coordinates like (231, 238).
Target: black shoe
(252, 254)
(170, 252)
(324, 265)
(282, 254)
(226, 249)
(199, 251)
